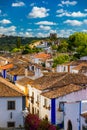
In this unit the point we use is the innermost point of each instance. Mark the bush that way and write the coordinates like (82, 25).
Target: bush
(32, 122)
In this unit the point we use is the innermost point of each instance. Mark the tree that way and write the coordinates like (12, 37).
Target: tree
(18, 42)
(63, 47)
(78, 43)
(62, 58)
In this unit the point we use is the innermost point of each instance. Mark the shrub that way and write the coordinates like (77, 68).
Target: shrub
(32, 122)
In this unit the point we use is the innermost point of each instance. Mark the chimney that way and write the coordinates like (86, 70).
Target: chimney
(26, 72)
(38, 72)
(59, 68)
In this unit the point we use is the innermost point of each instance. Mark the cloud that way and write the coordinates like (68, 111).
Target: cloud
(78, 14)
(8, 30)
(32, 4)
(73, 22)
(0, 11)
(67, 3)
(65, 33)
(25, 34)
(2, 14)
(45, 23)
(44, 2)
(85, 21)
(62, 13)
(46, 28)
(18, 4)
(28, 34)
(29, 29)
(84, 30)
(85, 10)
(42, 34)
(60, 5)
(5, 21)
(38, 12)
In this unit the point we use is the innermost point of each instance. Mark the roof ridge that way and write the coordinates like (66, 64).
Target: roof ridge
(58, 79)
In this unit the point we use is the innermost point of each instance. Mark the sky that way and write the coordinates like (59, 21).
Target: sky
(39, 18)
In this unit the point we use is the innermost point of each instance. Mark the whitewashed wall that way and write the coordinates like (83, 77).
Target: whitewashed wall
(20, 87)
(71, 68)
(71, 113)
(5, 113)
(45, 111)
(42, 111)
(74, 71)
(62, 68)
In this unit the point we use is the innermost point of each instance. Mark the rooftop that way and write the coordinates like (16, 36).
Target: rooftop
(58, 92)
(8, 89)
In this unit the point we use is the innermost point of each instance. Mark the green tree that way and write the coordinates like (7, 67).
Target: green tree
(18, 42)
(78, 43)
(63, 47)
(62, 58)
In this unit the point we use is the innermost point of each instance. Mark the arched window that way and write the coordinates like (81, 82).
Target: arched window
(69, 127)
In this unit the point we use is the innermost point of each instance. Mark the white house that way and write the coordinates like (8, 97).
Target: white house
(79, 68)
(57, 97)
(71, 66)
(12, 103)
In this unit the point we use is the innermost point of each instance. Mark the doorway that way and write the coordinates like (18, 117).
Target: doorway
(69, 125)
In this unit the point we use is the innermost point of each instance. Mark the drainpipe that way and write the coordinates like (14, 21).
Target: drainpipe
(63, 114)
(79, 116)
(4, 73)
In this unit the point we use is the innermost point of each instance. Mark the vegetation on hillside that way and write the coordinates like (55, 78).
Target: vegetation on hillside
(75, 46)
(8, 43)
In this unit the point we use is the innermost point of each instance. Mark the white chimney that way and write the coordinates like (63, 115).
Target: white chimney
(59, 68)
(38, 72)
(26, 72)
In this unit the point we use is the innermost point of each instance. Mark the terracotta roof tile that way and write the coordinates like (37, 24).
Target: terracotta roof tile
(7, 66)
(42, 56)
(8, 89)
(56, 80)
(58, 92)
(80, 66)
(71, 78)
(84, 115)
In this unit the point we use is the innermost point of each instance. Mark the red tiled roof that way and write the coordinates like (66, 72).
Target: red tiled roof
(8, 66)
(58, 92)
(84, 115)
(42, 56)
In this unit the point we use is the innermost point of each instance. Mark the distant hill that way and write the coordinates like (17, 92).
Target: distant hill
(10, 42)
(7, 43)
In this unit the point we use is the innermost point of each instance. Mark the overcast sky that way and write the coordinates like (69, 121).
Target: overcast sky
(42, 17)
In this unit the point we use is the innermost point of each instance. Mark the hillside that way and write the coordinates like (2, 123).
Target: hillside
(10, 42)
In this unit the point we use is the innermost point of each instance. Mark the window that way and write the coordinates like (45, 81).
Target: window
(45, 102)
(38, 112)
(11, 105)
(32, 98)
(64, 68)
(11, 124)
(61, 106)
(37, 100)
